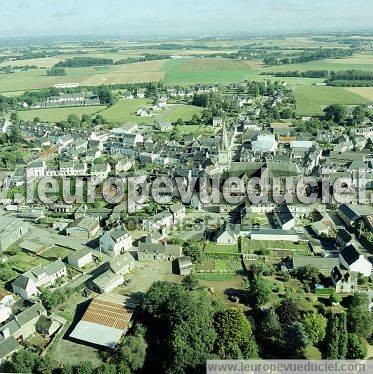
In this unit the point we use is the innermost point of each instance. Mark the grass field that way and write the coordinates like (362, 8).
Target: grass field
(125, 111)
(194, 129)
(185, 112)
(189, 71)
(149, 71)
(311, 100)
(366, 92)
(58, 114)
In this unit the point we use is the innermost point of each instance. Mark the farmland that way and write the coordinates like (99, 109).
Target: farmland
(366, 92)
(311, 100)
(185, 112)
(58, 114)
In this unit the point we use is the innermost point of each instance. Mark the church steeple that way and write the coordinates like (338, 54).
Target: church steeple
(224, 139)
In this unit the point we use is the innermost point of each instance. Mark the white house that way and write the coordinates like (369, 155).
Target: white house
(353, 260)
(285, 218)
(80, 258)
(178, 212)
(163, 219)
(264, 144)
(100, 170)
(36, 169)
(122, 264)
(6, 301)
(26, 285)
(116, 241)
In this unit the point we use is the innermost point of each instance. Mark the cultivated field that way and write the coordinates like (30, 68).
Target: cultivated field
(125, 111)
(58, 114)
(311, 100)
(148, 71)
(366, 92)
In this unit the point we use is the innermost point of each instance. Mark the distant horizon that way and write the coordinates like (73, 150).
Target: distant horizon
(212, 36)
(176, 18)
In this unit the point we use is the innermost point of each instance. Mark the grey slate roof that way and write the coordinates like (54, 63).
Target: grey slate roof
(8, 346)
(350, 254)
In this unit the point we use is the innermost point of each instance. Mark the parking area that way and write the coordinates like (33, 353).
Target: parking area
(147, 273)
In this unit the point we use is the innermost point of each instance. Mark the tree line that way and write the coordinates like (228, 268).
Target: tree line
(307, 56)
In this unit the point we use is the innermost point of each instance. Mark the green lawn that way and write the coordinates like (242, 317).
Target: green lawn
(300, 249)
(23, 261)
(311, 100)
(193, 129)
(58, 114)
(189, 71)
(213, 247)
(185, 112)
(57, 252)
(125, 111)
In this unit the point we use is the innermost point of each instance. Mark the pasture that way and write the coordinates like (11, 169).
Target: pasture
(149, 71)
(125, 111)
(190, 71)
(366, 92)
(184, 112)
(311, 100)
(58, 114)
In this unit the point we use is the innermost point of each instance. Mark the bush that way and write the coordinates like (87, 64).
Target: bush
(335, 298)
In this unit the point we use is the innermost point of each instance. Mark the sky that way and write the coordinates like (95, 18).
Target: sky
(22, 18)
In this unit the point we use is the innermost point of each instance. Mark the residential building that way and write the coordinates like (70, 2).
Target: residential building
(26, 285)
(86, 227)
(116, 241)
(11, 230)
(353, 260)
(185, 265)
(80, 258)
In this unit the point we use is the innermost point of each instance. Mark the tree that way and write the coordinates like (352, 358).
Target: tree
(332, 337)
(67, 369)
(190, 282)
(180, 326)
(343, 336)
(15, 133)
(24, 361)
(288, 312)
(336, 337)
(234, 334)
(105, 95)
(336, 113)
(358, 115)
(271, 328)
(106, 369)
(99, 120)
(259, 291)
(194, 251)
(357, 347)
(73, 120)
(296, 338)
(45, 365)
(307, 274)
(133, 350)
(335, 298)
(14, 118)
(315, 327)
(360, 322)
(84, 367)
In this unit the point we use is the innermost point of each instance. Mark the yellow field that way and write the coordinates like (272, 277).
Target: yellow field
(46, 62)
(366, 92)
(148, 71)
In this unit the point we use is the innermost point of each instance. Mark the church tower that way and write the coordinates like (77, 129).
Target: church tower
(224, 153)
